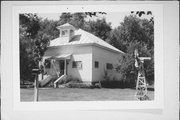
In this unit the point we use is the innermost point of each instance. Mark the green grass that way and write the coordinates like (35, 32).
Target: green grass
(80, 94)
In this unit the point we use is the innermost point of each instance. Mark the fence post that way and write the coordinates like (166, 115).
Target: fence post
(36, 84)
(36, 90)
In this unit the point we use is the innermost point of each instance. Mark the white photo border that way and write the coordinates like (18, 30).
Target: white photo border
(157, 103)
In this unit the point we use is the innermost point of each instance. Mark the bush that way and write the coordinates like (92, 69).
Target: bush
(116, 84)
(78, 85)
(127, 63)
(71, 82)
(122, 82)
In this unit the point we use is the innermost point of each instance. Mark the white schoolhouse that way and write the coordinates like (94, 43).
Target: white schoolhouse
(81, 55)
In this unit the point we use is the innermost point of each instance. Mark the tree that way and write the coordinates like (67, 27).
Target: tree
(29, 23)
(77, 19)
(133, 29)
(134, 33)
(116, 39)
(28, 27)
(65, 18)
(99, 28)
(48, 29)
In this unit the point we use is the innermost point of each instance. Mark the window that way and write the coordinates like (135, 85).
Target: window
(77, 64)
(47, 63)
(71, 32)
(96, 64)
(109, 66)
(64, 33)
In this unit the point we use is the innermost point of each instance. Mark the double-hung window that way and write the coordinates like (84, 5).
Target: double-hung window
(77, 64)
(96, 64)
(109, 66)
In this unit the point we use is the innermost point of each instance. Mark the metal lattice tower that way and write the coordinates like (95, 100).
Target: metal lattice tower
(141, 85)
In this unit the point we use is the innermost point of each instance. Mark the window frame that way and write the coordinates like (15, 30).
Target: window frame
(75, 64)
(71, 32)
(96, 64)
(65, 33)
(47, 63)
(109, 66)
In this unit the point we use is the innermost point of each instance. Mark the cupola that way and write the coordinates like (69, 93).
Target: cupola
(66, 31)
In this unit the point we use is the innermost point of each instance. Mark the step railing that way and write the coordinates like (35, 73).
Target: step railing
(60, 78)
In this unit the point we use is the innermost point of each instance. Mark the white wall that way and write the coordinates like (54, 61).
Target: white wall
(104, 56)
(84, 73)
(79, 53)
(84, 54)
(88, 55)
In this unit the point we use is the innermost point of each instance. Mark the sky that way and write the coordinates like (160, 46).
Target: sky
(115, 18)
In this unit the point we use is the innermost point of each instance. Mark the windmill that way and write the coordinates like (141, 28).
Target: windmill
(141, 85)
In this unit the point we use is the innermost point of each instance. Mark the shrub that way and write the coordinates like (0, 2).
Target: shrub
(115, 84)
(78, 85)
(106, 77)
(110, 81)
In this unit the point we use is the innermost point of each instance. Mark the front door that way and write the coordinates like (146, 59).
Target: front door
(61, 67)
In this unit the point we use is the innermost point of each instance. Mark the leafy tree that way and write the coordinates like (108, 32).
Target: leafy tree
(134, 33)
(35, 35)
(48, 29)
(133, 29)
(77, 19)
(99, 28)
(65, 18)
(28, 27)
(47, 32)
(30, 24)
(116, 39)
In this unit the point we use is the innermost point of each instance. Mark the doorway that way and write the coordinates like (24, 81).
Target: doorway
(61, 67)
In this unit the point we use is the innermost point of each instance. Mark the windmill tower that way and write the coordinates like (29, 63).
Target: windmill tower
(141, 85)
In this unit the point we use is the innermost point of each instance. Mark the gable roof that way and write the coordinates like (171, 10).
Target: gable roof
(82, 37)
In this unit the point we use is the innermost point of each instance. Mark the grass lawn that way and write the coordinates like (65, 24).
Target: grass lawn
(81, 94)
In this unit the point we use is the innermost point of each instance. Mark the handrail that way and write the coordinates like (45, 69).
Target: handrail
(55, 82)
